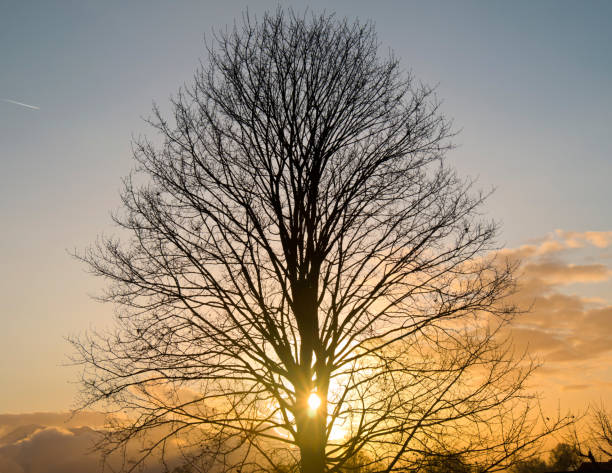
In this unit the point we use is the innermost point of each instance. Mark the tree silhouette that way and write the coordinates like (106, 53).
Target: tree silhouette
(601, 430)
(564, 457)
(595, 438)
(445, 464)
(294, 233)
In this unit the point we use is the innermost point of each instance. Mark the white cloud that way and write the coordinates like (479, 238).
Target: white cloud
(33, 107)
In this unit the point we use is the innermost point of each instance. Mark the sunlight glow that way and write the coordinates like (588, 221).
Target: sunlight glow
(314, 402)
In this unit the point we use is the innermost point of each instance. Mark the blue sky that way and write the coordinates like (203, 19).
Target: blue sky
(526, 83)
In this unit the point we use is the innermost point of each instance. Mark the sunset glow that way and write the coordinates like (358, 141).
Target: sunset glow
(314, 402)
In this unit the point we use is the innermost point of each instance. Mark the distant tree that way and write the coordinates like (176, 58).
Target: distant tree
(564, 457)
(305, 282)
(451, 463)
(532, 465)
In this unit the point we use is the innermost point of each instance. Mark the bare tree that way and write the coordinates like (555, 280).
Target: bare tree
(601, 430)
(305, 282)
(595, 437)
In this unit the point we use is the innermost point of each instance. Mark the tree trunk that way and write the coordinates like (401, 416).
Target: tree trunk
(311, 440)
(311, 424)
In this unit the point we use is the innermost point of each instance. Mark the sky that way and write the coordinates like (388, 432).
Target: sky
(527, 85)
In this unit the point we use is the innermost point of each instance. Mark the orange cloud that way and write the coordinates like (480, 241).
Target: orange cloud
(580, 239)
(559, 241)
(576, 387)
(557, 273)
(569, 332)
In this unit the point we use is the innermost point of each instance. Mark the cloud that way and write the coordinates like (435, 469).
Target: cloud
(568, 331)
(59, 419)
(9, 466)
(580, 239)
(576, 387)
(33, 107)
(38, 451)
(557, 273)
(563, 328)
(27, 445)
(560, 241)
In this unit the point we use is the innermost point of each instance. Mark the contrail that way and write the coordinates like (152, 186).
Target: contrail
(34, 107)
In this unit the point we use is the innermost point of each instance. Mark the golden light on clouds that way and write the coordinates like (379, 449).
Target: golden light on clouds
(565, 286)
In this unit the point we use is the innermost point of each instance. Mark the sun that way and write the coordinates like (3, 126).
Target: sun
(314, 401)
